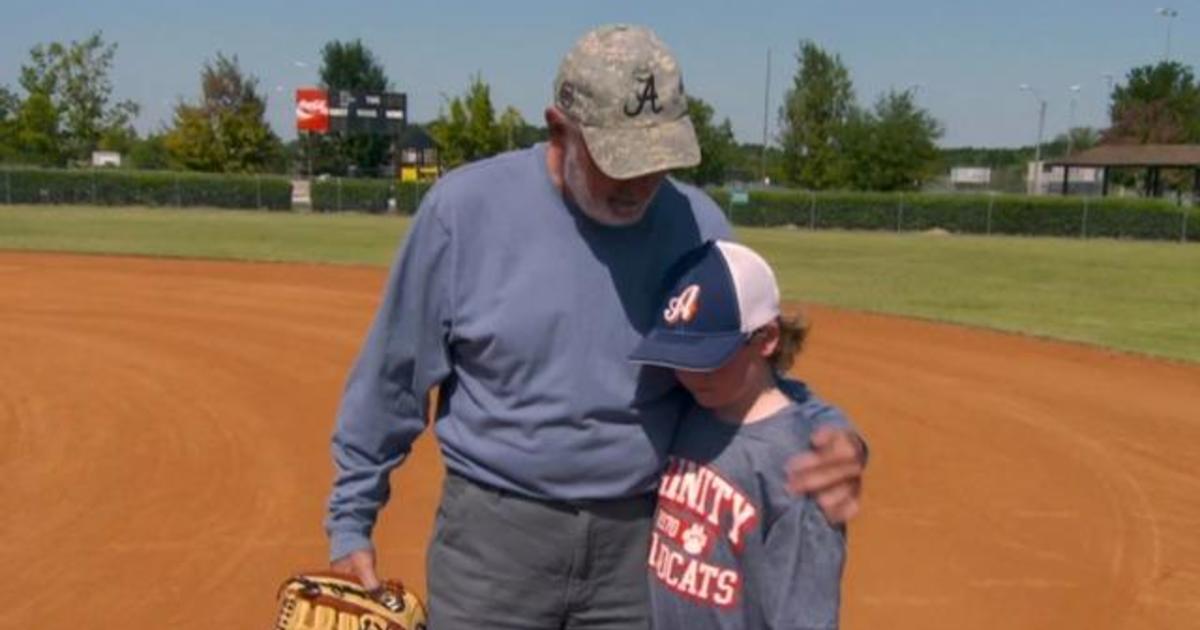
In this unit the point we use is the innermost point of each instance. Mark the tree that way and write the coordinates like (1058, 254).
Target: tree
(9, 104)
(468, 131)
(893, 147)
(1074, 140)
(815, 111)
(351, 67)
(10, 107)
(510, 124)
(37, 139)
(1159, 104)
(527, 135)
(747, 164)
(717, 147)
(150, 153)
(225, 131)
(75, 77)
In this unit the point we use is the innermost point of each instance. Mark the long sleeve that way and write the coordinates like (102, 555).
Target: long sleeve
(823, 414)
(383, 407)
(803, 576)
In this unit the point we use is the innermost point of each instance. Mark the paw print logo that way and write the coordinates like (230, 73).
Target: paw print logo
(694, 539)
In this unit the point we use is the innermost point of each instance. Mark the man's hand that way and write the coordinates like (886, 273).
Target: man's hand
(831, 472)
(361, 564)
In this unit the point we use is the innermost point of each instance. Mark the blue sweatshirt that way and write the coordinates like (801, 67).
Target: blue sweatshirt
(526, 312)
(732, 548)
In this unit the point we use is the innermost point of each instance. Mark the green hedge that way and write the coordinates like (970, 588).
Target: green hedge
(366, 195)
(409, 196)
(149, 188)
(370, 195)
(339, 193)
(970, 214)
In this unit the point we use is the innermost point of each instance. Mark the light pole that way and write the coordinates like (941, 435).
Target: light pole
(1074, 89)
(1105, 114)
(766, 115)
(1037, 156)
(1170, 14)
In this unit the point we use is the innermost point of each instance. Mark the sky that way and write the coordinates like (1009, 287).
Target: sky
(965, 58)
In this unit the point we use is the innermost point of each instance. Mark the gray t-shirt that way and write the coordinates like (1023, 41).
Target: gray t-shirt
(732, 548)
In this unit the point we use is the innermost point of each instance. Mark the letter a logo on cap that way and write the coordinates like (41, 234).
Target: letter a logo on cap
(647, 95)
(683, 307)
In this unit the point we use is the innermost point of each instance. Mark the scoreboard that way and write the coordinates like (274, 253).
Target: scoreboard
(351, 113)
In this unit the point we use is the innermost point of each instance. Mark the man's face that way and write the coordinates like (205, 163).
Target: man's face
(608, 201)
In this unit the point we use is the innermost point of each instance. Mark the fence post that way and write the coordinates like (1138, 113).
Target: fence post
(899, 213)
(93, 186)
(178, 196)
(339, 194)
(258, 191)
(8, 186)
(991, 202)
(1083, 226)
(1183, 228)
(812, 210)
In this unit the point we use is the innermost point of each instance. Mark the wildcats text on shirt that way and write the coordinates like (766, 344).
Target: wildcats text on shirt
(696, 507)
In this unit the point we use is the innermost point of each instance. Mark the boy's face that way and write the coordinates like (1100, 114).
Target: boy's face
(739, 380)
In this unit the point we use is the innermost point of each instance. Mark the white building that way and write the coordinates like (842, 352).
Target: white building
(106, 158)
(1043, 180)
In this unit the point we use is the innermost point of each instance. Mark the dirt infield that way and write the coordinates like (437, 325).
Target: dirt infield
(165, 456)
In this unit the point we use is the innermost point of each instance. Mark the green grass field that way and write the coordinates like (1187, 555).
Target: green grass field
(1136, 296)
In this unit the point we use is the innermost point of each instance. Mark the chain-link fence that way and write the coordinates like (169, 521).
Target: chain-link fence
(114, 187)
(1082, 217)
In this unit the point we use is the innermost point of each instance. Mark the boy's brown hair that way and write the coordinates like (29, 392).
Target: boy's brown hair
(793, 330)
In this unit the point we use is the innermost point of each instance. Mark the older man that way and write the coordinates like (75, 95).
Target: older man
(523, 285)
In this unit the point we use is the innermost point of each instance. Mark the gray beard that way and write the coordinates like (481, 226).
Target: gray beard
(600, 211)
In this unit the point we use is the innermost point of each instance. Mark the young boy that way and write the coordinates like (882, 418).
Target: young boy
(731, 547)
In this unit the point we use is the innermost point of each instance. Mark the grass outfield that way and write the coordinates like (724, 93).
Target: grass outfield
(232, 234)
(1135, 296)
(1138, 296)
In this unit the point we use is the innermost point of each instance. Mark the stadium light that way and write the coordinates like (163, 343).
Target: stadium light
(1037, 157)
(1170, 15)
(1074, 90)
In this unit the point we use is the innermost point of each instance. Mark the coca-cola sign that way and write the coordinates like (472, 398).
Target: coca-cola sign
(312, 110)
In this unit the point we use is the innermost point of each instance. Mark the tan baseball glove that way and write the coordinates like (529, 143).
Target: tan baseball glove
(324, 600)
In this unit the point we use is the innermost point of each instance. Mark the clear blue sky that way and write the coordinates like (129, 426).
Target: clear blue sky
(968, 56)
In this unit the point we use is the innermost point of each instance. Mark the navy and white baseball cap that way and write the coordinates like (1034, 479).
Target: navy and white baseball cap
(720, 294)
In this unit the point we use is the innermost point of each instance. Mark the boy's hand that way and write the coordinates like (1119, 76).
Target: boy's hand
(831, 472)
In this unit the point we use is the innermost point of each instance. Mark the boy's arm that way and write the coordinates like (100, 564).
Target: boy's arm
(802, 583)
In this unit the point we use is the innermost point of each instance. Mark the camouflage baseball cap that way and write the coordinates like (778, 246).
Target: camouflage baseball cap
(624, 89)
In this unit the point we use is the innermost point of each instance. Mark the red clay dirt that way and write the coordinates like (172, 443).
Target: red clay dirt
(165, 456)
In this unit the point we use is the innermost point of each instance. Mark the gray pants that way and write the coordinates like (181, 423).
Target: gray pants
(498, 560)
